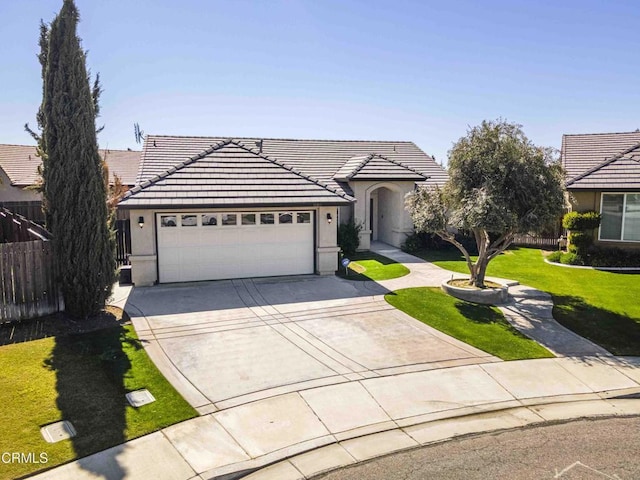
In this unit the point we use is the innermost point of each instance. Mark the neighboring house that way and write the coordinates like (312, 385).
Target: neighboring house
(211, 208)
(603, 174)
(19, 171)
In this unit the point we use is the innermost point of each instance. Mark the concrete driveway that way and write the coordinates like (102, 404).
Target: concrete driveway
(227, 343)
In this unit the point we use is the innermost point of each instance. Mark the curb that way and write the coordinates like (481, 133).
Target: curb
(589, 267)
(308, 464)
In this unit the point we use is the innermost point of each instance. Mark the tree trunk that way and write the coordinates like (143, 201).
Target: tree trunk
(481, 270)
(480, 266)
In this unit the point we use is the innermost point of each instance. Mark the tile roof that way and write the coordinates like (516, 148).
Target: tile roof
(20, 163)
(622, 172)
(376, 167)
(583, 152)
(319, 159)
(229, 173)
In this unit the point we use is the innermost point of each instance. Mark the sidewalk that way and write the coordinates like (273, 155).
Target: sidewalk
(317, 429)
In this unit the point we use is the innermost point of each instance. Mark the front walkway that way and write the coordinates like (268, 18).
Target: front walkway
(319, 428)
(529, 310)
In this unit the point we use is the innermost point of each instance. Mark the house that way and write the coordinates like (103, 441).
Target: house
(208, 208)
(19, 171)
(603, 174)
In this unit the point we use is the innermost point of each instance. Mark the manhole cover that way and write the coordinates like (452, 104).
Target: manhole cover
(140, 398)
(58, 431)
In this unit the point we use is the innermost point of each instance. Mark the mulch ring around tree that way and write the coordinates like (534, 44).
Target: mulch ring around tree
(59, 324)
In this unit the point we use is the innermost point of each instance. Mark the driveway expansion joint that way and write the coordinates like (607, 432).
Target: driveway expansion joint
(422, 407)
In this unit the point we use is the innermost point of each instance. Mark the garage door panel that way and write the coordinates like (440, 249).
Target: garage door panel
(206, 252)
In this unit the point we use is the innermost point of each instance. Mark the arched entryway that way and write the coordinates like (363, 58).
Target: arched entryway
(383, 216)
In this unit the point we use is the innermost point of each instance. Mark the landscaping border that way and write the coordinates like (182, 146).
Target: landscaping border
(589, 267)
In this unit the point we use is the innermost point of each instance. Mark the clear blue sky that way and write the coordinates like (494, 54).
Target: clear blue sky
(388, 70)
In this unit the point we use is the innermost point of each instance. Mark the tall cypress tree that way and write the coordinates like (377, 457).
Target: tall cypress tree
(74, 190)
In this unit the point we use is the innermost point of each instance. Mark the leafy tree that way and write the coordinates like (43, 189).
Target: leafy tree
(74, 187)
(500, 184)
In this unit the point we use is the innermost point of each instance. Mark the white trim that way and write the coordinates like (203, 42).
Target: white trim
(624, 208)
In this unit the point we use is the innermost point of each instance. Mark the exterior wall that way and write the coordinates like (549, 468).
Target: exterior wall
(10, 193)
(582, 201)
(326, 241)
(144, 256)
(345, 214)
(392, 224)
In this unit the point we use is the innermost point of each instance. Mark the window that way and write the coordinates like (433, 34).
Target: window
(285, 218)
(304, 217)
(229, 219)
(168, 220)
(248, 218)
(189, 220)
(267, 219)
(620, 217)
(209, 219)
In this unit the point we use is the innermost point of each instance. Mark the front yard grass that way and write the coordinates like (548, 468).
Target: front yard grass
(480, 326)
(82, 378)
(600, 306)
(371, 266)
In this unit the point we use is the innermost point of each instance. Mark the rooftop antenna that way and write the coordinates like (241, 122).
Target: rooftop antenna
(138, 133)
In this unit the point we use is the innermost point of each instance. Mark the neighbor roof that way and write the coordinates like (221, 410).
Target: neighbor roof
(583, 152)
(622, 172)
(318, 159)
(376, 167)
(230, 173)
(20, 163)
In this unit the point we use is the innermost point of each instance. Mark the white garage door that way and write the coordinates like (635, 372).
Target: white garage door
(212, 245)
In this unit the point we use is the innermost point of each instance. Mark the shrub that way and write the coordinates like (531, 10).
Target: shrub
(349, 237)
(581, 221)
(613, 257)
(579, 242)
(413, 243)
(555, 256)
(430, 241)
(571, 259)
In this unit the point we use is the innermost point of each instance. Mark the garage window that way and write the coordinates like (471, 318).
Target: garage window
(267, 219)
(189, 220)
(210, 219)
(168, 221)
(304, 217)
(284, 218)
(229, 219)
(248, 219)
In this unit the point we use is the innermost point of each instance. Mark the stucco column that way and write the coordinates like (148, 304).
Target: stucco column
(143, 249)
(327, 241)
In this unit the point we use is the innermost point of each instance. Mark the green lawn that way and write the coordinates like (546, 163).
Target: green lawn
(481, 326)
(371, 266)
(82, 378)
(601, 306)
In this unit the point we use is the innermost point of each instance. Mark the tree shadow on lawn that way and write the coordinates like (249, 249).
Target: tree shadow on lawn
(617, 333)
(485, 314)
(91, 369)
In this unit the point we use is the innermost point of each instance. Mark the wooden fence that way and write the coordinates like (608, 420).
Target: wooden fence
(27, 278)
(535, 241)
